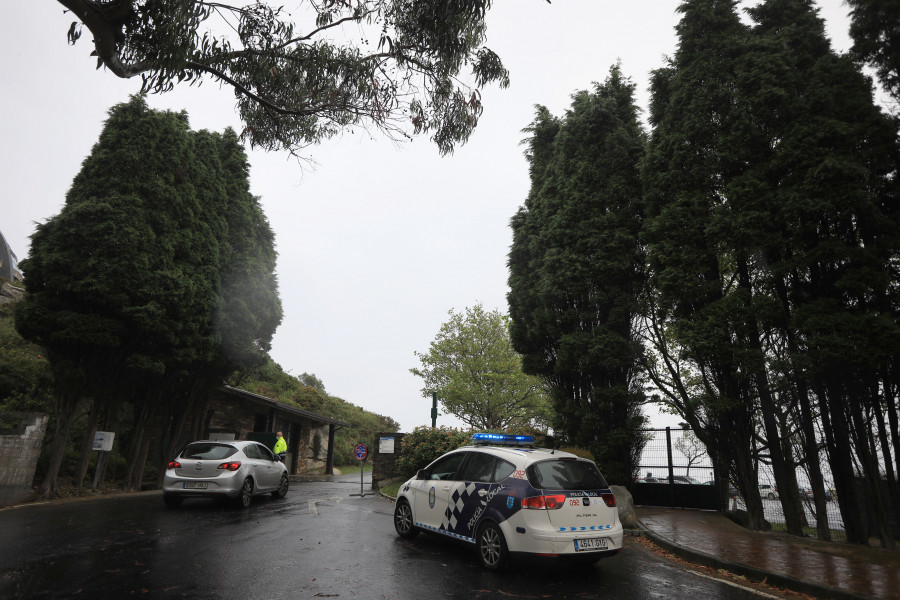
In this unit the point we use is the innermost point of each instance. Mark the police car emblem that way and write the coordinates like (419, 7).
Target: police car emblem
(431, 498)
(510, 502)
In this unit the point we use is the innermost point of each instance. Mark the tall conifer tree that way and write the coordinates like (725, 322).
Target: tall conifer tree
(576, 268)
(691, 156)
(129, 285)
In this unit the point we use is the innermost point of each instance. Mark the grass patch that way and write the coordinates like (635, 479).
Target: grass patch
(391, 490)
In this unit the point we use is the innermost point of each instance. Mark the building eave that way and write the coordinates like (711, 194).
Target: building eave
(256, 398)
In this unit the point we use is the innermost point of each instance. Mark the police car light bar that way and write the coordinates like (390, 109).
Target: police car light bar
(501, 439)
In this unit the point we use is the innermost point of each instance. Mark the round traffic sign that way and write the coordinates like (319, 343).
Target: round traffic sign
(361, 451)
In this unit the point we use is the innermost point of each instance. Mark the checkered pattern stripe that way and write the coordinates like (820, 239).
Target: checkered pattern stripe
(443, 531)
(457, 503)
(586, 528)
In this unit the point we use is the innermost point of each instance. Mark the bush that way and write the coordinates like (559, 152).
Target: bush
(581, 452)
(425, 444)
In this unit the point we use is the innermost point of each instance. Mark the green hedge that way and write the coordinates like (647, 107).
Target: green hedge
(425, 444)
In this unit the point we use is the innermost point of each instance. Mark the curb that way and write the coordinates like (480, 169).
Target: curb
(303, 477)
(784, 581)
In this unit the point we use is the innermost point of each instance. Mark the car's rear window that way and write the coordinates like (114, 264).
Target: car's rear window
(208, 451)
(566, 475)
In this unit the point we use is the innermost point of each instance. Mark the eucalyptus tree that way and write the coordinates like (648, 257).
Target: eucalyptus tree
(301, 77)
(477, 375)
(576, 269)
(126, 286)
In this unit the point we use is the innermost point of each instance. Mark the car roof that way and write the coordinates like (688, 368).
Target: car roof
(523, 456)
(235, 443)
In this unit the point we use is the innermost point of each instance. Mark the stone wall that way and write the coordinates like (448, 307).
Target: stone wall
(10, 293)
(19, 452)
(384, 464)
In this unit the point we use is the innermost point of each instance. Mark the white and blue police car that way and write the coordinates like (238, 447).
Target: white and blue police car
(506, 498)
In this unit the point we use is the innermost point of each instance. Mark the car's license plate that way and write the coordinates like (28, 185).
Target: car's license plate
(591, 544)
(195, 485)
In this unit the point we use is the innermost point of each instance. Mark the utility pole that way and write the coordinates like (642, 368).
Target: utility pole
(433, 410)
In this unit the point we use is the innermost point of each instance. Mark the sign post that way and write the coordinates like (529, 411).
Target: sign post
(103, 442)
(361, 451)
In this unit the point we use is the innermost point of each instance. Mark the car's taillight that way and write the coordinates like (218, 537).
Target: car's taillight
(610, 499)
(544, 502)
(173, 464)
(231, 466)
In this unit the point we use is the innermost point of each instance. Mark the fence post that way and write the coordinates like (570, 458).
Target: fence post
(671, 468)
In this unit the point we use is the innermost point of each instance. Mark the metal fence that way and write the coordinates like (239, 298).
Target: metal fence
(677, 455)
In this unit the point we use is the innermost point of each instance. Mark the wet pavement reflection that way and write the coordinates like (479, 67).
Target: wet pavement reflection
(318, 542)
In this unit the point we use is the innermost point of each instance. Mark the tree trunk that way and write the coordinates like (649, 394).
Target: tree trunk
(87, 446)
(137, 479)
(871, 472)
(811, 449)
(138, 433)
(834, 424)
(66, 404)
(782, 462)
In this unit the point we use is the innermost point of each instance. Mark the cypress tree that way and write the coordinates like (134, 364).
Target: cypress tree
(695, 315)
(126, 282)
(576, 268)
(825, 182)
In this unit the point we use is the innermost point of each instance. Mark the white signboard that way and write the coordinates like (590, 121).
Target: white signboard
(386, 445)
(103, 441)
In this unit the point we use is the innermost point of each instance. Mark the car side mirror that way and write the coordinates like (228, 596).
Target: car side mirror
(420, 474)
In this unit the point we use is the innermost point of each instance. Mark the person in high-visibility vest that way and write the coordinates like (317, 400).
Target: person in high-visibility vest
(280, 446)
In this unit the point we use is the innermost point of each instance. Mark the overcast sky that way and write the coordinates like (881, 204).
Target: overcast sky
(378, 241)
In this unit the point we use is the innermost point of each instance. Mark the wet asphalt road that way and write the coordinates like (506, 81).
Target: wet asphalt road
(319, 542)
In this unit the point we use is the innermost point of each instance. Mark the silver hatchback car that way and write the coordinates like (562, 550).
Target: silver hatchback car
(236, 470)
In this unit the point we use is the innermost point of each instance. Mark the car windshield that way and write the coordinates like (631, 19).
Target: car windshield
(566, 475)
(208, 451)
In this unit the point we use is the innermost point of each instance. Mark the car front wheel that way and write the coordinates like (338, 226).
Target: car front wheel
(246, 495)
(492, 547)
(403, 520)
(282, 490)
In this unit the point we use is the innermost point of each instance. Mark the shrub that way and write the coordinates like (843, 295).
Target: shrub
(581, 452)
(425, 444)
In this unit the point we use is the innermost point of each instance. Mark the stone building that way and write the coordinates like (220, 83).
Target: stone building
(233, 413)
(9, 268)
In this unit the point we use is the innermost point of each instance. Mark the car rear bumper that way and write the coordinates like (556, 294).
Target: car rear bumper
(542, 541)
(217, 487)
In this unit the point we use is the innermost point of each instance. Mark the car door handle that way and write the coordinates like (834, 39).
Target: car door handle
(482, 493)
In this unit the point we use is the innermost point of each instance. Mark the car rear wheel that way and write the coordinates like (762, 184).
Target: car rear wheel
(282, 490)
(172, 501)
(492, 547)
(246, 495)
(403, 521)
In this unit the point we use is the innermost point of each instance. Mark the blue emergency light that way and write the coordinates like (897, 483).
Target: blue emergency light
(502, 439)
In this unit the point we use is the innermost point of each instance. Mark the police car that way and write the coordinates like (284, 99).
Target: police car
(507, 498)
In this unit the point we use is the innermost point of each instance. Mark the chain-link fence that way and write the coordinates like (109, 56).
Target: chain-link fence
(675, 452)
(677, 457)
